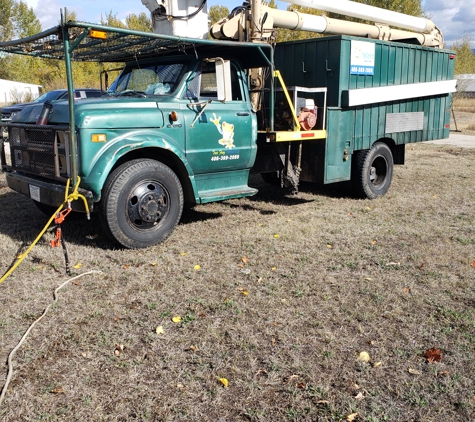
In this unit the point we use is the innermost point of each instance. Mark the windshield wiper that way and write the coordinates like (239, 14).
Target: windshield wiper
(131, 92)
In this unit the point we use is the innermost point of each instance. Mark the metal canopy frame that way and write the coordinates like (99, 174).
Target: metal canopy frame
(122, 45)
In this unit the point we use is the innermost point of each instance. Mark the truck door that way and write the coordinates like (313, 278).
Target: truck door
(220, 136)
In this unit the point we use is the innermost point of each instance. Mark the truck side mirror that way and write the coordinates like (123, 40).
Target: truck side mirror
(223, 79)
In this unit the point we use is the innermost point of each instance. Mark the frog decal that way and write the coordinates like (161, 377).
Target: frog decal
(226, 130)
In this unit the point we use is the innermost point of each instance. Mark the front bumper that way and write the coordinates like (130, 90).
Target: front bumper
(46, 192)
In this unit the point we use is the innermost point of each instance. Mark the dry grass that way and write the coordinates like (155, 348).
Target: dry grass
(468, 104)
(463, 115)
(392, 277)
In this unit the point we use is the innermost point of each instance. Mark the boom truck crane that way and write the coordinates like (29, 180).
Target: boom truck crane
(191, 116)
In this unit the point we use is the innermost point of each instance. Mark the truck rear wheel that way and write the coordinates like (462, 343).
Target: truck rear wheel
(372, 171)
(142, 202)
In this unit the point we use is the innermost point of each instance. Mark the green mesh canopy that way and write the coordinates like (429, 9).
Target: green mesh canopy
(123, 45)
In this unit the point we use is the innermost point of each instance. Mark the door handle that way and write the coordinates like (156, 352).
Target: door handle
(243, 113)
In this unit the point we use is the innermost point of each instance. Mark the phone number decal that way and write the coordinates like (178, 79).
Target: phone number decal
(225, 157)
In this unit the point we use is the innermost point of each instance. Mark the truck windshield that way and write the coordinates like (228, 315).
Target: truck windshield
(154, 79)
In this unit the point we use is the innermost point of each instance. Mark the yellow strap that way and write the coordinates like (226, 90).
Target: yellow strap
(67, 198)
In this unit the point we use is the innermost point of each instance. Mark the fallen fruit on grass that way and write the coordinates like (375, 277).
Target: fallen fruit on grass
(176, 319)
(197, 267)
(224, 381)
(364, 357)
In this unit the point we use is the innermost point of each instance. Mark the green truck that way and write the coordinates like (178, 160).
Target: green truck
(186, 123)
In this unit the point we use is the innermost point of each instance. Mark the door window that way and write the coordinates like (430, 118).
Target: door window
(204, 85)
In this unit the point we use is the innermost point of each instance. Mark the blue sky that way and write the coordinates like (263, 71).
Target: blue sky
(453, 17)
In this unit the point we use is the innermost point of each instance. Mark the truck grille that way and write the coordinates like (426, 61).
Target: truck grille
(38, 150)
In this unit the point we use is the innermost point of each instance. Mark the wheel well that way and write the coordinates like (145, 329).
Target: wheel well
(169, 159)
(398, 151)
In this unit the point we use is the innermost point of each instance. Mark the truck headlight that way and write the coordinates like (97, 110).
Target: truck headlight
(7, 151)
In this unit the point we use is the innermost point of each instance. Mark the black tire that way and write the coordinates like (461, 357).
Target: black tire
(142, 202)
(372, 171)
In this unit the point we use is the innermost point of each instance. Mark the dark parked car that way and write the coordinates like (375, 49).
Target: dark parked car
(58, 94)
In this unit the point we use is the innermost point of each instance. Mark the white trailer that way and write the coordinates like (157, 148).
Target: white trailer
(11, 91)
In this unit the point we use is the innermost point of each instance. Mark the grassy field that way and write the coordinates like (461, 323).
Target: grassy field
(277, 298)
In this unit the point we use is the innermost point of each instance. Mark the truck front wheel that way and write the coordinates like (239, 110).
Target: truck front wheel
(372, 171)
(142, 202)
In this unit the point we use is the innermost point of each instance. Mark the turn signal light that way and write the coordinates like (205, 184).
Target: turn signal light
(98, 34)
(98, 137)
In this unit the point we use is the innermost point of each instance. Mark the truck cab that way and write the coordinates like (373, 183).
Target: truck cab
(173, 129)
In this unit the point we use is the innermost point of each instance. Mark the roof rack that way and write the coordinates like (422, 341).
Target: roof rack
(119, 45)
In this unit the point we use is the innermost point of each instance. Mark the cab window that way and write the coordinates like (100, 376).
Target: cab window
(204, 86)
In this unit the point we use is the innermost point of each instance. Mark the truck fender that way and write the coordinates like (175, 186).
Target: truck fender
(115, 150)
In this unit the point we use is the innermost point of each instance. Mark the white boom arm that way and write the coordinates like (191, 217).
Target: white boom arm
(264, 19)
(371, 13)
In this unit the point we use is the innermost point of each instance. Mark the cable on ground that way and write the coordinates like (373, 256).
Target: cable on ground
(12, 353)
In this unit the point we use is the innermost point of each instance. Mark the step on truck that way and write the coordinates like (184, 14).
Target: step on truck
(189, 118)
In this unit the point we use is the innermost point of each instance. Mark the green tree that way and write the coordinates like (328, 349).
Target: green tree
(111, 19)
(25, 22)
(216, 13)
(465, 59)
(17, 20)
(464, 64)
(140, 22)
(6, 24)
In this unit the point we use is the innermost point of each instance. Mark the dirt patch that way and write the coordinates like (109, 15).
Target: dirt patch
(325, 277)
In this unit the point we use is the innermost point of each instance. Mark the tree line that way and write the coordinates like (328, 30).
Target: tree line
(18, 20)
